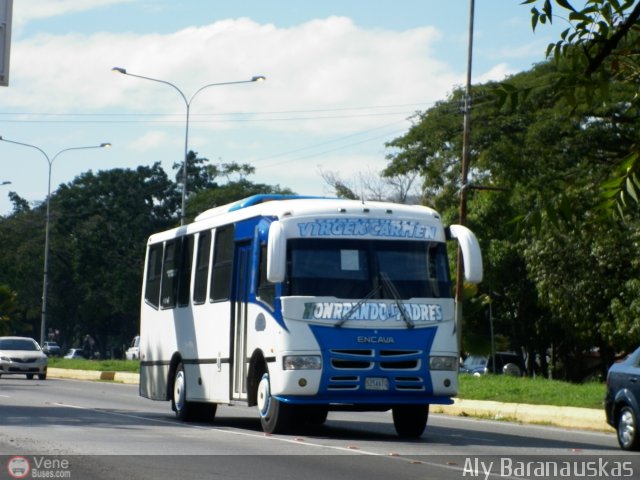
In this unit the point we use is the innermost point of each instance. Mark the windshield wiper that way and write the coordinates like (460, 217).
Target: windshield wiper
(387, 282)
(396, 297)
(353, 309)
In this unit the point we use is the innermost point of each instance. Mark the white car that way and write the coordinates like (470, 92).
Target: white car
(75, 353)
(133, 353)
(22, 356)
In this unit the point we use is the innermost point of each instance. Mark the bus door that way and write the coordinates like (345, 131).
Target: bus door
(239, 328)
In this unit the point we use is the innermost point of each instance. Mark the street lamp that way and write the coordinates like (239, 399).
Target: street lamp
(5, 183)
(187, 103)
(43, 323)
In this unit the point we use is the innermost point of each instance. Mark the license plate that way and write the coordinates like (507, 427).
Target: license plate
(376, 383)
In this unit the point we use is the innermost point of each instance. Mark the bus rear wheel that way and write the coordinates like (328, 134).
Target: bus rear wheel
(410, 420)
(179, 402)
(275, 416)
(189, 411)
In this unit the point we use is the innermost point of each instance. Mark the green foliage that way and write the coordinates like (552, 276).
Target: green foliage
(7, 309)
(555, 260)
(99, 231)
(624, 185)
(600, 46)
(95, 365)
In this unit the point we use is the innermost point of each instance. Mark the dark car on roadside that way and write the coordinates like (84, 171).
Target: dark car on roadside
(508, 363)
(622, 402)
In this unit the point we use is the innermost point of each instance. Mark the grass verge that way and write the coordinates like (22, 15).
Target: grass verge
(535, 391)
(96, 365)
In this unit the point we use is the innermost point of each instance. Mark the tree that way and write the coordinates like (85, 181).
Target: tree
(371, 185)
(98, 236)
(7, 309)
(19, 203)
(601, 45)
(200, 174)
(547, 156)
(21, 265)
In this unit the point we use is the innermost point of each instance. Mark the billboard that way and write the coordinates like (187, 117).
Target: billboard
(5, 40)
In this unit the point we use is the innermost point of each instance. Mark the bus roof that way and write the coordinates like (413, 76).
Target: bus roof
(288, 206)
(293, 205)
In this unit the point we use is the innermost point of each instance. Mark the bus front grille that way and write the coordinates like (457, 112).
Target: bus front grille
(348, 368)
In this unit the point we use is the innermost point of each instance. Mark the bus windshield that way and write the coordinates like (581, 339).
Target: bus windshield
(354, 269)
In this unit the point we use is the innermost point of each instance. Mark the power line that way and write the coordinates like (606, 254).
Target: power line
(314, 114)
(324, 152)
(328, 142)
(274, 112)
(229, 120)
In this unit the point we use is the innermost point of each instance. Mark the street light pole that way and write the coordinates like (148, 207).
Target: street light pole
(45, 276)
(187, 103)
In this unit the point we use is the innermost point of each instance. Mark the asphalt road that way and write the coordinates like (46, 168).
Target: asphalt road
(79, 429)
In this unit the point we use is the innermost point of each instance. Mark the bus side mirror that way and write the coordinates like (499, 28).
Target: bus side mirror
(276, 253)
(471, 255)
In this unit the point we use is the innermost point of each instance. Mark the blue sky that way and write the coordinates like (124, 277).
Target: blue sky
(343, 78)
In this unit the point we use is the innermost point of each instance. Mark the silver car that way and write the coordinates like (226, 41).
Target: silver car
(22, 356)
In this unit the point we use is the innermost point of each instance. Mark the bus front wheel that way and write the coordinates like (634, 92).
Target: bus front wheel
(275, 416)
(410, 420)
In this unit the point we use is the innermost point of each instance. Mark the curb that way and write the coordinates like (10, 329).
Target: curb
(567, 417)
(119, 377)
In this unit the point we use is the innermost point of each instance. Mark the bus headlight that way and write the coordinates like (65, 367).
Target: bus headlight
(443, 363)
(302, 362)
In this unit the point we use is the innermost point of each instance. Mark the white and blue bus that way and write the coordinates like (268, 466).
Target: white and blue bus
(299, 306)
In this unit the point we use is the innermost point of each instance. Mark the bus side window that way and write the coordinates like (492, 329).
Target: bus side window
(169, 287)
(202, 267)
(154, 273)
(222, 261)
(266, 290)
(186, 259)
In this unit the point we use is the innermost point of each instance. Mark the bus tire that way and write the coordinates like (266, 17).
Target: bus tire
(410, 420)
(275, 416)
(184, 409)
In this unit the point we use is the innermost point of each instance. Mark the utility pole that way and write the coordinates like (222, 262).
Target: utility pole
(465, 173)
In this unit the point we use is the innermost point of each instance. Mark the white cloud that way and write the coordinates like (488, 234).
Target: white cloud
(496, 73)
(149, 141)
(321, 64)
